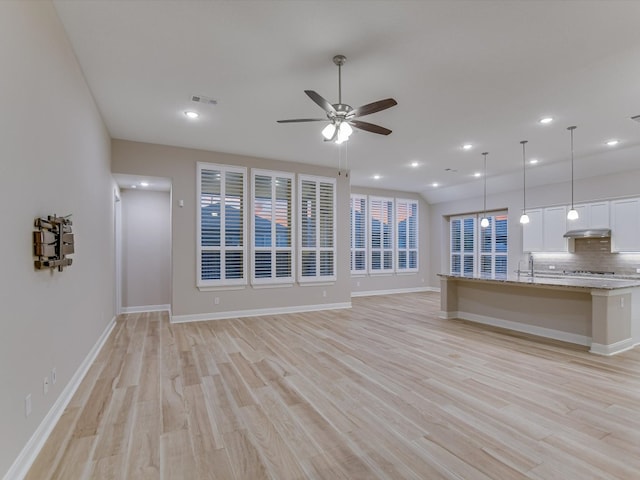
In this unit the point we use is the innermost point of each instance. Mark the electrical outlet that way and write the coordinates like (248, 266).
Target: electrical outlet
(357, 284)
(216, 301)
(45, 385)
(27, 405)
(324, 293)
(552, 267)
(54, 376)
(637, 270)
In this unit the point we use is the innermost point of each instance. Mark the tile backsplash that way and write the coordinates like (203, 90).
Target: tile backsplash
(593, 254)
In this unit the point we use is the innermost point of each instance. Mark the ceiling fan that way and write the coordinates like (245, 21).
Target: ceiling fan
(342, 116)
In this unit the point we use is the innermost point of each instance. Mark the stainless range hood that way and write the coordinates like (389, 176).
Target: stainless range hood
(589, 233)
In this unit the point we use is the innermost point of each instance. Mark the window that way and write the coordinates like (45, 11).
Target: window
(407, 235)
(463, 242)
(222, 226)
(476, 250)
(272, 227)
(381, 240)
(493, 246)
(317, 207)
(358, 234)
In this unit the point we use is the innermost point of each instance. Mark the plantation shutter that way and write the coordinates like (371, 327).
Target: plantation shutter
(222, 225)
(272, 226)
(317, 228)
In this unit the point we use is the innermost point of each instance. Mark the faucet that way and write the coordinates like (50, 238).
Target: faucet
(531, 265)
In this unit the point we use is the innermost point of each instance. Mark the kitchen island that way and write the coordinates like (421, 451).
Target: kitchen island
(602, 313)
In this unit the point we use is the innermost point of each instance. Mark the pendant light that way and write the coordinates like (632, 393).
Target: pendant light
(484, 223)
(524, 218)
(573, 213)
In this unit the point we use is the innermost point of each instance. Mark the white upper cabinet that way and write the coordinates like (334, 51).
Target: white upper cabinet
(625, 225)
(532, 238)
(590, 215)
(599, 215)
(554, 227)
(545, 230)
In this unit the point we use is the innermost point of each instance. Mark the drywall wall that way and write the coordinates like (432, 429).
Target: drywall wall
(188, 302)
(146, 249)
(363, 284)
(54, 158)
(586, 190)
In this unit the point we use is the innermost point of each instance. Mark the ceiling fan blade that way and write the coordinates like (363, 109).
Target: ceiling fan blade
(374, 107)
(295, 120)
(325, 105)
(370, 127)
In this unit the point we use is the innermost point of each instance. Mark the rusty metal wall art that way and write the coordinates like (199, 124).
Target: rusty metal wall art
(52, 242)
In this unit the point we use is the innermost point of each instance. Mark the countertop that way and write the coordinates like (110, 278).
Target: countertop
(590, 283)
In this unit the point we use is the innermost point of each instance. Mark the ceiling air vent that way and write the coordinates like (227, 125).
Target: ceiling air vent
(203, 99)
(636, 118)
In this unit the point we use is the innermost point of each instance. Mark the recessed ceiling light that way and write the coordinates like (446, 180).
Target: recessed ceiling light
(144, 184)
(613, 142)
(477, 174)
(467, 146)
(191, 114)
(435, 184)
(533, 161)
(545, 120)
(377, 177)
(414, 164)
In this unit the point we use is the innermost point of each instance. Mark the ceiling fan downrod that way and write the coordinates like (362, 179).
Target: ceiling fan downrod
(339, 61)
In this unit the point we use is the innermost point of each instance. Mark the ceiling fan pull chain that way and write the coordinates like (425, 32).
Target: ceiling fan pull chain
(346, 160)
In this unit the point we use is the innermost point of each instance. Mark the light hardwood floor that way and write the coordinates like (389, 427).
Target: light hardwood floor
(384, 390)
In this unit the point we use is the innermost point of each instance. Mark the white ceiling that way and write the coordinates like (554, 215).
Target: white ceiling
(482, 72)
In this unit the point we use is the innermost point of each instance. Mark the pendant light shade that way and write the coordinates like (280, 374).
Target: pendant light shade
(573, 213)
(524, 218)
(484, 223)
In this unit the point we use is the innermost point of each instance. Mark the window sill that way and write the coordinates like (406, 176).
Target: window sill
(259, 286)
(214, 288)
(320, 283)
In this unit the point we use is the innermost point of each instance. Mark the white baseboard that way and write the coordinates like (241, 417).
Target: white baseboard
(612, 349)
(521, 327)
(25, 459)
(199, 317)
(147, 308)
(370, 293)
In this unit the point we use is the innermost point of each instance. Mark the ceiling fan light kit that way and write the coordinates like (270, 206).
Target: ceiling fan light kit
(342, 117)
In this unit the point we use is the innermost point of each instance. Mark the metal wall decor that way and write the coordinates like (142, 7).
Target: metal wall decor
(52, 242)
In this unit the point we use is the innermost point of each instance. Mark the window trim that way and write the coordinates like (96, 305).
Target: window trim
(222, 282)
(275, 281)
(301, 249)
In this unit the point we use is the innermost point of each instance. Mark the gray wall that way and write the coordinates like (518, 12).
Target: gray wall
(179, 164)
(146, 248)
(54, 158)
(586, 190)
